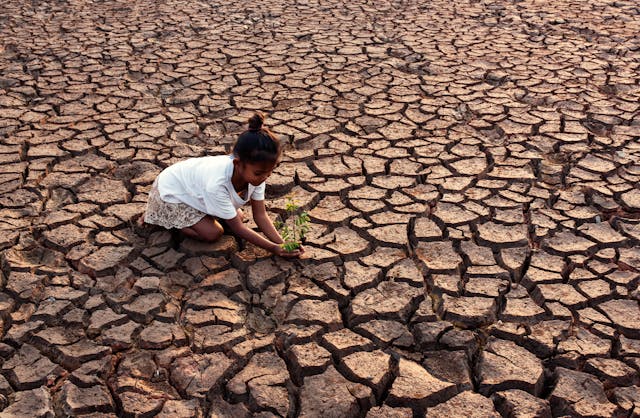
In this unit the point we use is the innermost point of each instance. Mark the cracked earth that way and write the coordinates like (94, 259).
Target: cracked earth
(471, 169)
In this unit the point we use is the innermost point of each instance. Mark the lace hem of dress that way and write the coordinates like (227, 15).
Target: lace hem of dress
(169, 215)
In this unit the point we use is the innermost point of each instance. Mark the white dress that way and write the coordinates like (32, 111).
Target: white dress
(185, 192)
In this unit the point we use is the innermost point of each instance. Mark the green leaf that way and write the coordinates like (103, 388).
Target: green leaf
(290, 246)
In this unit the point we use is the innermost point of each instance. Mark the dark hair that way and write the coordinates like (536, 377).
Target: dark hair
(258, 143)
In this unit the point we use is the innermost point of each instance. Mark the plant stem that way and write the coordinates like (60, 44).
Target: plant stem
(295, 235)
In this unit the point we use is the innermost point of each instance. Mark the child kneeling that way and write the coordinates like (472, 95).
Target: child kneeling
(191, 194)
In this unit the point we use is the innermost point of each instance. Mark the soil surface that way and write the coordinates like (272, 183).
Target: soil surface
(472, 174)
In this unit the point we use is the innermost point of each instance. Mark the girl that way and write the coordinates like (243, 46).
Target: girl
(191, 194)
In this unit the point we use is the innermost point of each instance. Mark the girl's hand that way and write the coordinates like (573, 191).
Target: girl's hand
(279, 251)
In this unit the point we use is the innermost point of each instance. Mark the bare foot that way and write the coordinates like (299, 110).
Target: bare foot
(142, 228)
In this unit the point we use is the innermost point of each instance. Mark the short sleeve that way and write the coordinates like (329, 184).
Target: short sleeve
(218, 203)
(258, 192)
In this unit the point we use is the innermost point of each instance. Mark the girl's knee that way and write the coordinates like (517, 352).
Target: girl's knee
(213, 232)
(214, 236)
(207, 229)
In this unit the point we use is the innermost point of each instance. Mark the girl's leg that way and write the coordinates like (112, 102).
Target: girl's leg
(206, 229)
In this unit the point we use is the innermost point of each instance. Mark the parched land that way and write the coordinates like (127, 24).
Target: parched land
(471, 170)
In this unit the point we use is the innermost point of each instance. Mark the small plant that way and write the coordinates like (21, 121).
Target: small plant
(293, 233)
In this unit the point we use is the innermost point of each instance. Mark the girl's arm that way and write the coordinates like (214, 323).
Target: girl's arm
(253, 237)
(264, 223)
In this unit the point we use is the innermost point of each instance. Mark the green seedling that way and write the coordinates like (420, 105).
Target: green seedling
(293, 232)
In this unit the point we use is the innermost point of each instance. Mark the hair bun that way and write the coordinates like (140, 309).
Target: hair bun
(256, 121)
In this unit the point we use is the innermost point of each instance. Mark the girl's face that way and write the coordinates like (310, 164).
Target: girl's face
(255, 173)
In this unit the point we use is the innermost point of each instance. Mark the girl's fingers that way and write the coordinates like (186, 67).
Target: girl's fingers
(289, 254)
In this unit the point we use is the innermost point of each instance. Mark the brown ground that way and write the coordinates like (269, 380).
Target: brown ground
(471, 169)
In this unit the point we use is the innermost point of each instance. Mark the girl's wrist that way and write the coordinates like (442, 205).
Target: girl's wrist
(275, 248)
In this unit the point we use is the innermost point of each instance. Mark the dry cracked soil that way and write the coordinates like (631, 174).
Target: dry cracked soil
(471, 169)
